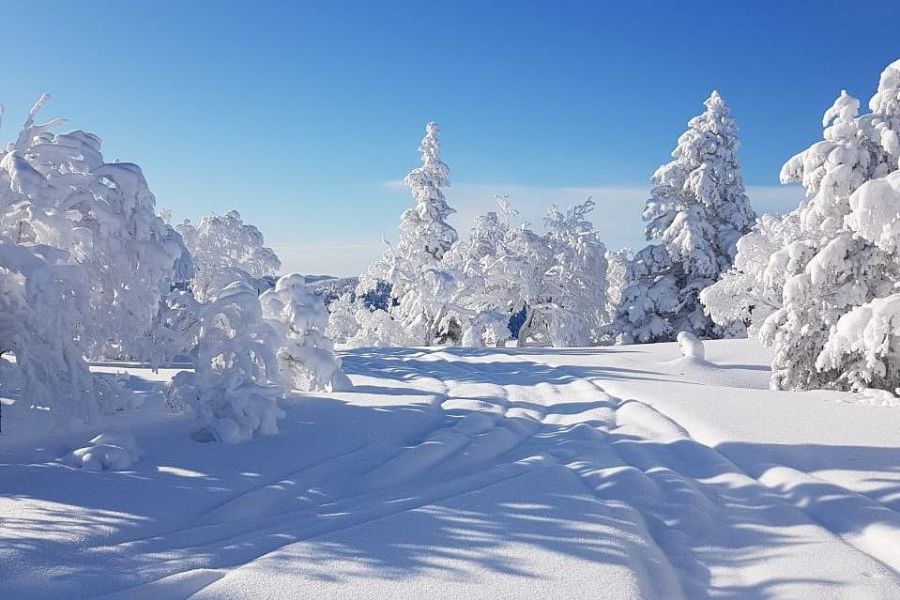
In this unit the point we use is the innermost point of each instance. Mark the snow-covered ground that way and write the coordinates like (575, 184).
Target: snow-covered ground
(626, 472)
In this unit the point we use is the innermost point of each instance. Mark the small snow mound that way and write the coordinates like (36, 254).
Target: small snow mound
(691, 346)
(877, 397)
(109, 451)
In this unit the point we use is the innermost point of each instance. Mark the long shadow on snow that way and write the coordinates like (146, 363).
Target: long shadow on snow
(468, 525)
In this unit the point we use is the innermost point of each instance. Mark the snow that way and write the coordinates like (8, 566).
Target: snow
(623, 472)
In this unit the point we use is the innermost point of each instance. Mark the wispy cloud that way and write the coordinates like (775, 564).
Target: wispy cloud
(616, 216)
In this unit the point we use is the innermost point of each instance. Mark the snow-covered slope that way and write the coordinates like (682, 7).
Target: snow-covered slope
(628, 472)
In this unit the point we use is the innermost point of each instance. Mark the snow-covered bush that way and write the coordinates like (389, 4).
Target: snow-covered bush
(306, 356)
(864, 345)
(224, 250)
(690, 346)
(697, 212)
(342, 324)
(236, 383)
(616, 272)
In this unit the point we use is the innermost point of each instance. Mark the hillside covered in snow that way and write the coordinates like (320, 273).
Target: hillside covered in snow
(623, 472)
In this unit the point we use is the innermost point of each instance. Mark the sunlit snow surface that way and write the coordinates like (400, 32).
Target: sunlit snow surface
(629, 472)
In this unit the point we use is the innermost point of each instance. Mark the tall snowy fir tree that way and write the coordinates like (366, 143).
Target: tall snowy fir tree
(421, 285)
(697, 211)
(796, 276)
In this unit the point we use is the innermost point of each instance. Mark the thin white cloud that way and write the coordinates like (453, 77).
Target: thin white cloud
(616, 216)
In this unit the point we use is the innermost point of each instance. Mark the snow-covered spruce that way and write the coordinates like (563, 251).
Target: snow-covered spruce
(236, 383)
(420, 285)
(862, 347)
(305, 355)
(697, 212)
(821, 264)
(225, 249)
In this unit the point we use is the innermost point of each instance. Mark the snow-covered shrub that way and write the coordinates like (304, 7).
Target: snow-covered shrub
(306, 356)
(690, 345)
(616, 271)
(342, 325)
(376, 329)
(697, 212)
(236, 383)
(56, 190)
(224, 250)
(421, 285)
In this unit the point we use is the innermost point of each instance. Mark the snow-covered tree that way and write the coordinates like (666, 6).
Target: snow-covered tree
(616, 271)
(225, 249)
(819, 266)
(572, 306)
(421, 285)
(342, 324)
(236, 383)
(102, 215)
(696, 213)
(854, 149)
(84, 265)
(861, 348)
(305, 355)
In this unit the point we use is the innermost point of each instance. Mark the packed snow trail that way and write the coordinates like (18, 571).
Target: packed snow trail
(486, 473)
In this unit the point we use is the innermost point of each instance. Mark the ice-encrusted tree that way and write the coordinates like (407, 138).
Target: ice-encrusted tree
(225, 249)
(818, 266)
(421, 284)
(305, 355)
(697, 211)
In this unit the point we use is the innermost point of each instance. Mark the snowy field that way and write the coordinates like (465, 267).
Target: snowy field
(625, 472)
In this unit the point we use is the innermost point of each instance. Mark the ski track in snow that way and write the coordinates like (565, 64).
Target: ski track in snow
(690, 522)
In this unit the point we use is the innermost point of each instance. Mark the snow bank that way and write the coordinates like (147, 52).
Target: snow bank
(109, 451)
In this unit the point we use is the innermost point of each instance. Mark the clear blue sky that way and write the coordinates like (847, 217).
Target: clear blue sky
(302, 114)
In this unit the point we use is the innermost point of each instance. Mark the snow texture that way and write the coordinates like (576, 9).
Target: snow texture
(617, 473)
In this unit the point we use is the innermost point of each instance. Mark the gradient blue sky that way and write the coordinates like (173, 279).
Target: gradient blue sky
(304, 115)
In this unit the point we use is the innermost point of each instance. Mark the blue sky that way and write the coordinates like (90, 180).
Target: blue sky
(304, 115)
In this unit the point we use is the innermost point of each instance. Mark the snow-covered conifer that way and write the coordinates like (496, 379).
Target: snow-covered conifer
(421, 285)
(828, 264)
(696, 213)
